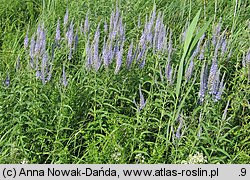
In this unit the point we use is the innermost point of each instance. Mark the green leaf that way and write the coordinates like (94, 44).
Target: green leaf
(198, 36)
(189, 36)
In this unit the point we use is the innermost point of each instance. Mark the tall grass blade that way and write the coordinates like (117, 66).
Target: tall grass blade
(188, 39)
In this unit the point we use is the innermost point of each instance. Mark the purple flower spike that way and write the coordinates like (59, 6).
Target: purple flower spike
(202, 56)
(96, 57)
(70, 53)
(178, 131)
(43, 67)
(41, 42)
(32, 46)
(66, 18)
(130, 55)
(18, 63)
(203, 83)
(105, 56)
(248, 58)
(139, 21)
(143, 62)
(216, 33)
(38, 74)
(76, 41)
(215, 84)
(26, 41)
(220, 89)
(142, 100)
(86, 25)
(170, 44)
(169, 71)
(81, 28)
(7, 81)
(49, 73)
(70, 34)
(223, 46)
(64, 79)
(58, 35)
(105, 27)
(119, 59)
(212, 76)
(88, 55)
(189, 70)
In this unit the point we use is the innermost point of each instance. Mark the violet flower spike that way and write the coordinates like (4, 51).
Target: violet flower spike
(244, 61)
(224, 116)
(223, 46)
(43, 67)
(42, 42)
(202, 56)
(119, 59)
(32, 46)
(178, 131)
(139, 21)
(66, 18)
(220, 89)
(18, 63)
(215, 84)
(64, 79)
(49, 73)
(76, 41)
(70, 54)
(105, 27)
(212, 76)
(170, 44)
(129, 56)
(7, 81)
(142, 100)
(81, 28)
(203, 79)
(105, 56)
(86, 25)
(169, 71)
(58, 34)
(38, 74)
(143, 62)
(189, 70)
(26, 41)
(96, 59)
(70, 34)
(216, 34)
(88, 55)
(248, 58)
